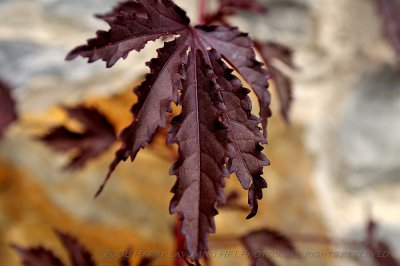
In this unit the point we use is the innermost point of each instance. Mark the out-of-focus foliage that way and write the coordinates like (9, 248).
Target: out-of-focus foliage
(97, 135)
(8, 112)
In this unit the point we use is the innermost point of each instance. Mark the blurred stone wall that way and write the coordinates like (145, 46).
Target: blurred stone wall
(347, 97)
(340, 154)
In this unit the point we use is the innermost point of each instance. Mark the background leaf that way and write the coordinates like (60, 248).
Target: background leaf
(8, 113)
(97, 136)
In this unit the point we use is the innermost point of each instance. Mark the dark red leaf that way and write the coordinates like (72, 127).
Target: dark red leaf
(124, 261)
(237, 49)
(266, 239)
(370, 232)
(78, 254)
(37, 257)
(129, 30)
(245, 157)
(215, 129)
(270, 52)
(145, 262)
(383, 255)
(126, 8)
(7, 107)
(98, 135)
(389, 12)
(200, 168)
(155, 95)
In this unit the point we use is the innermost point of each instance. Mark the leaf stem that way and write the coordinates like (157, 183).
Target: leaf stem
(202, 12)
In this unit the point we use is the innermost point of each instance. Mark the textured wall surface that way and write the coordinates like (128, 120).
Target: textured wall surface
(339, 155)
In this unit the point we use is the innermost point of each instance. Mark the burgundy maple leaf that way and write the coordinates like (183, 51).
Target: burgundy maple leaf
(132, 25)
(389, 12)
(271, 51)
(37, 256)
(257, 242)
(383, 255)
(78, 254)
(97, 136)
(244, 135)
(215, 130)
(7, 107)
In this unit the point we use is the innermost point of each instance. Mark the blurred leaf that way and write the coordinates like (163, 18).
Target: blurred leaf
(7, 107)
(232, 202)
(145, 262)
(270, 52)
(97, 136)
(38, 256)
(383, 255)
(256, 242)
(210, 129)
(228, 8)
(389, 13)
(78, 255)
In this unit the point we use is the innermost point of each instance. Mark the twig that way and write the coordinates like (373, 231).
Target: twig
(203, 11)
